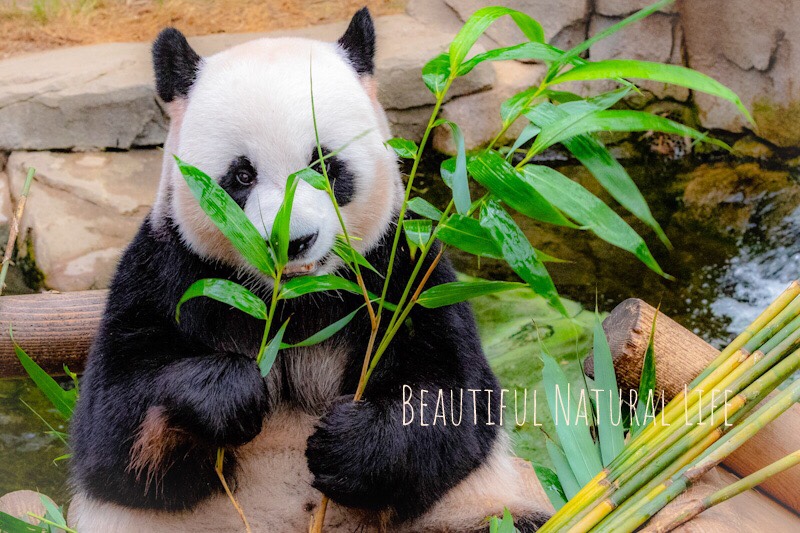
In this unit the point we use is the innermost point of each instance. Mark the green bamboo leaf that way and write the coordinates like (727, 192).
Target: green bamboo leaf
(492, 171)
(506, 525)
(459, 291)
(643, 13)
(418, 233)
(11, 524)
(303, 285)
(350, 255)
(435, 74)
(528, 132)
(228, 217)
(227, 292)
(612, 437)
(467, 234)
(647, 381)
(573, 113)
(404, 148)
(672, 74)
(551, 485)
(478, 23)
(53, 513)
(579, 447)
(588, 211)
(623, 120)
(519, 253)
(280, 235)
(62, 400)
(313, 178)
(566, 477)
(516, 105)
(423, 208)
(525, 51)
(327, 332)
(271, 351)
(604, 167)
(455, 175)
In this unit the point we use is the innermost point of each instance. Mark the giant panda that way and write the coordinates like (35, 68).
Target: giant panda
(159, 397)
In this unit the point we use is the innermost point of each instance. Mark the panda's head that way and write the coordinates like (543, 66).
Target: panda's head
(244, 117)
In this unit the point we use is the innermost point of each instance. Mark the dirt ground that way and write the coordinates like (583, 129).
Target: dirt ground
(31, 25)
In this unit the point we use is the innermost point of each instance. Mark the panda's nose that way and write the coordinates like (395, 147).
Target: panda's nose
(298, 247)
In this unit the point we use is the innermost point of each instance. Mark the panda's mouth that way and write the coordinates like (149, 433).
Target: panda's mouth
(303, 269)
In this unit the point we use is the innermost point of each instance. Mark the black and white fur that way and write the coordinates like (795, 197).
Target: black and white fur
(159, 397)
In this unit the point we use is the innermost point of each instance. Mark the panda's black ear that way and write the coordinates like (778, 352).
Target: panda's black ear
(358, 42)
(175, 64)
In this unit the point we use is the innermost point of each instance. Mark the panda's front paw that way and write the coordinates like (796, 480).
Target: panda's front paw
(343, 455)
(223, 402)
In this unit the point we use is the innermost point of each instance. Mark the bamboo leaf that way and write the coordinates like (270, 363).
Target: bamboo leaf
(455, 176)
(423, 208)
(566, 477)
(467, 234)
(418, 233)
(519, 253)
(528, 132)
(52, 513)
(228, 217)
(573, 113)
(435, 74)
(672, 74)
(327, 332)
(271, 351)
(643, 13)
(479, 22)
(12, 524)
(624, 120)
(350, 255)
(404, 148)
(227, 292)
(579, 447)
(496, 174)
(300, 286)
(280, 235)
(647, 381)
(313, 178)
(606, 170)
(588, 211)
(518, 104)
(612, 437)
(459, 291)
(551, 485)
(525, 51)
(62, 400)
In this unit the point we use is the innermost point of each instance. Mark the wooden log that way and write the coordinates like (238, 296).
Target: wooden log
(680, 356)
(53, 328)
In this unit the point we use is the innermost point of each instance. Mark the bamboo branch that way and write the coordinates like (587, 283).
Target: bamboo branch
(14, 228)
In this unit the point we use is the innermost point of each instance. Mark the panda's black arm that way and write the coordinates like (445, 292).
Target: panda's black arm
(362, 455)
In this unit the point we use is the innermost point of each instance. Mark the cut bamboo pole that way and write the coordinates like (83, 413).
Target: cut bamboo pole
(680, 356)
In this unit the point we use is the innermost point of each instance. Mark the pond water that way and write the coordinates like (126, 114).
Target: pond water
(734, 226)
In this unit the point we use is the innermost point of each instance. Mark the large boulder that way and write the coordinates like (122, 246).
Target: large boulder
(755, 50)
(82, 211)
(102, 96)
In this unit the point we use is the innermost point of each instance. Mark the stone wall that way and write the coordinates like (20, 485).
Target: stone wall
(84, 207)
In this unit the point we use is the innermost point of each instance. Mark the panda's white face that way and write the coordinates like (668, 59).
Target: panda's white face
(247, 121)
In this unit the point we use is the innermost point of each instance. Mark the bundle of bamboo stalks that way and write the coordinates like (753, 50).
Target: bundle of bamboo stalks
(700, 427)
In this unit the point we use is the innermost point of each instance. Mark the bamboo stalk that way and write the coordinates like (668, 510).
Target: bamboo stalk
(13, 230)
(698, 506)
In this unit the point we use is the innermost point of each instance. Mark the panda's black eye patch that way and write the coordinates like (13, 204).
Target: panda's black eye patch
(342, 180)
(238, 179)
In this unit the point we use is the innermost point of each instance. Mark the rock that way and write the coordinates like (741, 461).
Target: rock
(82, 211)
(6, 209)
(562, 24)
(21, 502)
(727, 199)
(102, 96)
(756, 52)
(751, 147)
(435, 12)
(409, 123)
(616, 8)
(479, 114)
(663, 45)
(90, 96)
